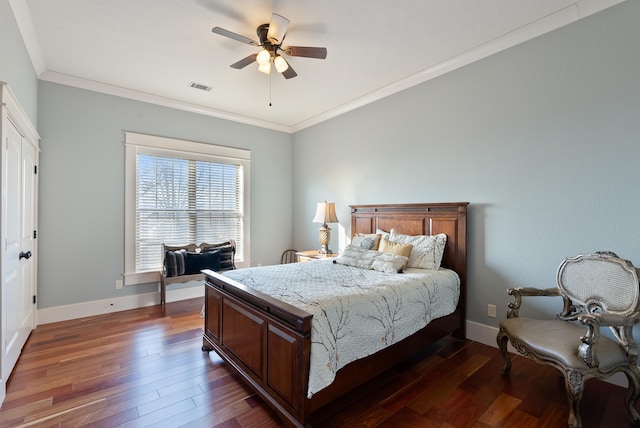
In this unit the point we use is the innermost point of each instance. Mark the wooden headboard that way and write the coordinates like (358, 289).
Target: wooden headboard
(421, 219)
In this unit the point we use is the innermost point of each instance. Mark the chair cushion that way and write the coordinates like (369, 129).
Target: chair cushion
(558, 341)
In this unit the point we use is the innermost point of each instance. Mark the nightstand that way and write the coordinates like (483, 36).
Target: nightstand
(307, 256)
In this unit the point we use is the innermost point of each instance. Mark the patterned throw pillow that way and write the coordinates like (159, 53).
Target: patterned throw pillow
(227, 255)
(369, 241)
(174, 263)
(427, 251)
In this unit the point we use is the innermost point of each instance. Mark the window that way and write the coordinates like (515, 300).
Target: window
(181, 192)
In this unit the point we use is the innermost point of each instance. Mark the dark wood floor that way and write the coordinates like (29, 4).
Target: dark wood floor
(144, 367)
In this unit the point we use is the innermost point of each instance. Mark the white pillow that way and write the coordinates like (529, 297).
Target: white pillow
(369, 259)
(382, 234)
(427, 251)
(389, 263)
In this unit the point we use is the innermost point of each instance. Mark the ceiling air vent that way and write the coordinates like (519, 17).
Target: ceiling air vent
(200, 86)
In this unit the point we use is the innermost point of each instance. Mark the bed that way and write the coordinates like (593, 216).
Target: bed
(269, 341)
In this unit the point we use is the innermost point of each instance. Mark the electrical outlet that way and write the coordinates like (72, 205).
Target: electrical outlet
(118, 284)
(491, 311)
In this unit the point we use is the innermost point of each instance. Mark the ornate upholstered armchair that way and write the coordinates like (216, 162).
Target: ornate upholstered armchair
(598, 290)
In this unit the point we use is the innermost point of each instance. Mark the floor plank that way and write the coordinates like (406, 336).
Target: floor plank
(144, 367)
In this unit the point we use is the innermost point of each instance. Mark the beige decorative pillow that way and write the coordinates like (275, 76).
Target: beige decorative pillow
(398, 248)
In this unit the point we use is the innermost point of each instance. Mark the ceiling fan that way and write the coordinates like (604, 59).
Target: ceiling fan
(270, 37)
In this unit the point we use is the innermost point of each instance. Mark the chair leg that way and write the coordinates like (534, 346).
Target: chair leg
(502, 340)
(574, 383)
(163, 291)
(633, 376)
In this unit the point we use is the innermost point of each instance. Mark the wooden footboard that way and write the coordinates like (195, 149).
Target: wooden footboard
(265, 340)
(268, 342)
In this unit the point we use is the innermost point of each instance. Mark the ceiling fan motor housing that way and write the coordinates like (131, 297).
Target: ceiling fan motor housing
(264, 41)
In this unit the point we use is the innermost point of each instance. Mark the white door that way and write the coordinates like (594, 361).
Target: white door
(27, 315)
(18, 267)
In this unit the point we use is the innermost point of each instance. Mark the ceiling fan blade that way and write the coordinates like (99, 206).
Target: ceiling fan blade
(244, 62)
(277, 28)
(305, 51)
(234, 36)
(289, 73)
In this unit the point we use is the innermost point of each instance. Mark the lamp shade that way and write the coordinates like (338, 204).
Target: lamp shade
(325, 213)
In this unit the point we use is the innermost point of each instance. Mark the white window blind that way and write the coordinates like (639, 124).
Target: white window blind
(181, 201)
(180, 192)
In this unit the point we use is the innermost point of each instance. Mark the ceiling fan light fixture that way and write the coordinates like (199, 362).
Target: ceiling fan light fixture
(270, 36)
(264, 57)
(265, 68)
(280, 63)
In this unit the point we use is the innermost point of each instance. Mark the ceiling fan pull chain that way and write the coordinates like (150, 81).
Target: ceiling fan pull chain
(269, 89)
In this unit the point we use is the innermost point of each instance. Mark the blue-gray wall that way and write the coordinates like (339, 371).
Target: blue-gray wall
(81, 240)
(542, 139)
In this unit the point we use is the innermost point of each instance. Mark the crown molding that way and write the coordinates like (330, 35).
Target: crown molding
(568, 15)
(574, 12)
(104, 88)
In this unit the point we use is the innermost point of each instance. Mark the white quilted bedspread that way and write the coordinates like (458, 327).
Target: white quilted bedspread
(356, 312)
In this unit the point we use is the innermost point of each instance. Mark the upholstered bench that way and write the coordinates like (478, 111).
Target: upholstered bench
(183, 263)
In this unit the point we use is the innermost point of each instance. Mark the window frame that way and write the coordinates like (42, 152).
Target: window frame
(136, 143)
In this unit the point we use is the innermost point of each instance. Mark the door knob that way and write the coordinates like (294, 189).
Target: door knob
(24, 255)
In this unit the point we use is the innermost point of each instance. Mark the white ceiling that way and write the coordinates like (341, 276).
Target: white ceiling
(152, 49)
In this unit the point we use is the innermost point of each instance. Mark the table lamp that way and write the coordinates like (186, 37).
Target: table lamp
(325, 213)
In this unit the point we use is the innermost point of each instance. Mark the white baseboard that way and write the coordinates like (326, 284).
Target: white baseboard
(487, 335)
(483, 334)
(101, 307)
